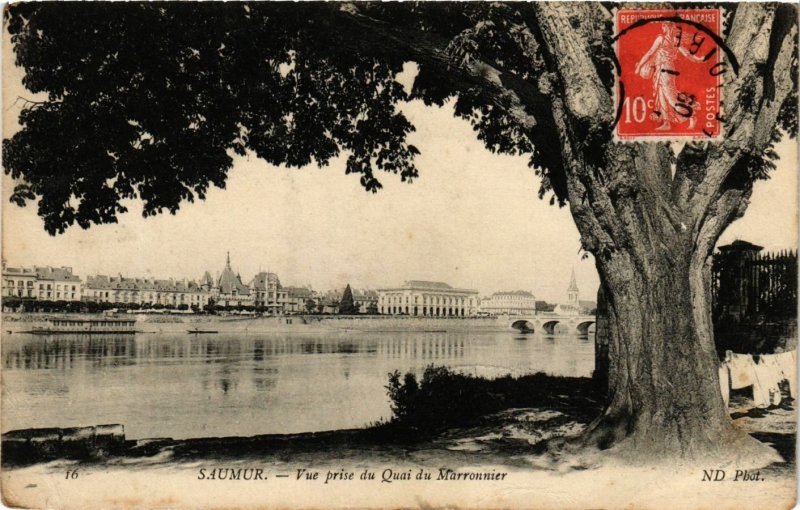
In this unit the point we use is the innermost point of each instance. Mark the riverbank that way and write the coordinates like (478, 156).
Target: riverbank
(186, 323)
(280, 471)
(496, 419)
(171, 323)
(423, 411)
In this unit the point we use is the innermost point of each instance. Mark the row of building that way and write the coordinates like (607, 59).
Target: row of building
(438, 299)
(264, 292)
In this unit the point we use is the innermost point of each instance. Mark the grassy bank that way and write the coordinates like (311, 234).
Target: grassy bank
(444, 399)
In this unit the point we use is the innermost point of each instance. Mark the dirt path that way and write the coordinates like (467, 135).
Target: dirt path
(198, 473)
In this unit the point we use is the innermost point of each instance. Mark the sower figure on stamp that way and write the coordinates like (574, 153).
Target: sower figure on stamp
(659, 64)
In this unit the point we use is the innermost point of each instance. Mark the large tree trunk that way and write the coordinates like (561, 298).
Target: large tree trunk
(663, 384)
(651, 218)
(664, 394)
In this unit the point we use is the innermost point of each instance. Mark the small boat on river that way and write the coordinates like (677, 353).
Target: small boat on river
(197, 331)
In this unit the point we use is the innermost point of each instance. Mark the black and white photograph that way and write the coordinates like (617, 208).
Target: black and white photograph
(337, 255)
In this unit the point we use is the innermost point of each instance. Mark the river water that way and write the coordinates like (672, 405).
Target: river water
(182, 386)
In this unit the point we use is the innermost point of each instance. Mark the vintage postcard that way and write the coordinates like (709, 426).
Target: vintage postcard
(329, 255)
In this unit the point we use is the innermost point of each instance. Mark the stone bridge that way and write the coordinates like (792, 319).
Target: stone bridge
(547, 323)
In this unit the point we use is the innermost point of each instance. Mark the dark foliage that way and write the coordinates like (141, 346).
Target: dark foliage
(444, 398)
(544, 306)
(151, 101)
(48, 306)
(346, 305)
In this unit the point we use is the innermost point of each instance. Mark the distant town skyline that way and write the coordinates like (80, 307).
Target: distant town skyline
(246, 279)
(149, 251)
(472, 219)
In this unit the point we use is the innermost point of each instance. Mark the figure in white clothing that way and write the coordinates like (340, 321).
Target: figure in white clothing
(725, 383)
(658, 64)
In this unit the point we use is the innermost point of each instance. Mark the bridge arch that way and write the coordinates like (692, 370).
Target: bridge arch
(523, 326)
(550, 326)
(583, 327)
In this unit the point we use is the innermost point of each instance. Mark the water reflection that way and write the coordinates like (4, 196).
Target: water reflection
(203, 385)
(432, 346)
(62, 351)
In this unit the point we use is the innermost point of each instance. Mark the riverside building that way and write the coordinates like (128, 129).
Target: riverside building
(297, 299)
(518, 302)
(230, 291)
(42, 283)
(428, 299)
(366, 300)
(145, 291)
(268, 293)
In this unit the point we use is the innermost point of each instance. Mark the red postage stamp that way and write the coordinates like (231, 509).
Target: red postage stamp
(672, 64)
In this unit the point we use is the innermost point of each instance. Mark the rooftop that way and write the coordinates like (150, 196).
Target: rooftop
(739, 245)
(229, 281)
(429, 286)
(104, 282)
(61, 274)
(263, 280)
(298, 292)
(417, 284)
(19, 271)
(513, 293)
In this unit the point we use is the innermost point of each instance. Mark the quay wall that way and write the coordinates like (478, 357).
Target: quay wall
(20, 322)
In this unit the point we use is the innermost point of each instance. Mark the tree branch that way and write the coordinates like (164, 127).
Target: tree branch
(528, 103)
(585, 96)
(618, 193)
(704, 167)
(368, 35)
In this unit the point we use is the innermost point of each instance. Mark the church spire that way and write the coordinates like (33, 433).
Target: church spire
(572, 293)
(228, 262)
(573, 285)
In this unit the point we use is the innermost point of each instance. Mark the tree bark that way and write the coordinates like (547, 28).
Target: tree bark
(664, 391)
(664, 395)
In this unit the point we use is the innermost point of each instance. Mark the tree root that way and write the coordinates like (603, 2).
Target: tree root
(611, 442)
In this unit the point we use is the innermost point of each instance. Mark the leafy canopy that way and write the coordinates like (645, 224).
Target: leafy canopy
(152, 100)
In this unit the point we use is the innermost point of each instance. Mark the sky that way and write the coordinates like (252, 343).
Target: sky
(472, 219)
